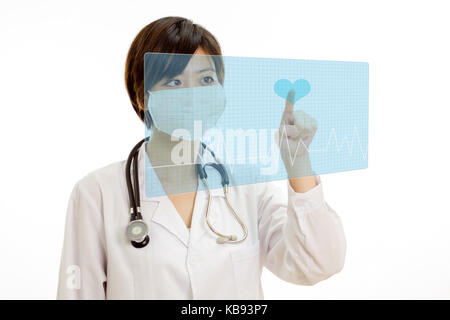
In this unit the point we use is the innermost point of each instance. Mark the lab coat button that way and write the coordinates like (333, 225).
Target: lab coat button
(193, 258)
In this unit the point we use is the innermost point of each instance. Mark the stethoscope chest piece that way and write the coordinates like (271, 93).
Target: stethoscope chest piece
(137, 233)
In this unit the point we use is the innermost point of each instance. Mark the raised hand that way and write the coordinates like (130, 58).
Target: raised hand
(296, 131)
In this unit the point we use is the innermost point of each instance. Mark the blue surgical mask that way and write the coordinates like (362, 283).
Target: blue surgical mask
(194, 110)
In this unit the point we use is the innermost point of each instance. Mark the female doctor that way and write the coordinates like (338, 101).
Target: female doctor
(285, 226)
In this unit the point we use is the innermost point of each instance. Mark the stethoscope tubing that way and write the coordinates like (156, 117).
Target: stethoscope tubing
(223, 238)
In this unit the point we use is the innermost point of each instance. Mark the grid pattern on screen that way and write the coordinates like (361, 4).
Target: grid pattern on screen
(337, 100)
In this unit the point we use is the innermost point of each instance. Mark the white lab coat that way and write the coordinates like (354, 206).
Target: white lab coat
(297, 236)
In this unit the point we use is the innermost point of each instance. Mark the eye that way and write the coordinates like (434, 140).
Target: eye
(173, 83)
(208, 80)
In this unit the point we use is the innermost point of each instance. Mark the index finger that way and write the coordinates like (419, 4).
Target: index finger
(290, 101)
(289, 108)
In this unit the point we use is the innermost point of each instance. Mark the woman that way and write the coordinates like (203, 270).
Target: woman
(290, 228)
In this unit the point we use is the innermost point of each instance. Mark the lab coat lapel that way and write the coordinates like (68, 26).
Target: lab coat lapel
(167, 216)
(162, 211)
(160, 208)
(198, 224)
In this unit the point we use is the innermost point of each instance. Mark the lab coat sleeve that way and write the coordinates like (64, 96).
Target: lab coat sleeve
(303, 240)
(83, 262)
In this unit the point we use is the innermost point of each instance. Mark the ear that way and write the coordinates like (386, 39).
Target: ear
(147, 117)
(144, 107)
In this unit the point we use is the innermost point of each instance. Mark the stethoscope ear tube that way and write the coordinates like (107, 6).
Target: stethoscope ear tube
(223, 173)
(137, 229)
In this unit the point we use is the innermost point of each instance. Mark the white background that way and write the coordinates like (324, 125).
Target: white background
(64, 112)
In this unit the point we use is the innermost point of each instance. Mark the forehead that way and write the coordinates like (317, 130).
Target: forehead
(199, 62)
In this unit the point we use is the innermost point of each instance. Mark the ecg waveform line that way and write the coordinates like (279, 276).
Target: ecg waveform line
(345, 141)
(332, 139)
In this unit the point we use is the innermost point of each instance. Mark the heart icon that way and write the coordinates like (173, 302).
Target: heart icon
(300, 86)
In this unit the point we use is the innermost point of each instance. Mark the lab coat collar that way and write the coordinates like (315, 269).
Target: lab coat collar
(142, 162)
(166, 216)
(162, 211)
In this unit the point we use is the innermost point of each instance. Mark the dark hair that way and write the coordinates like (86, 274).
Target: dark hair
(165, 35)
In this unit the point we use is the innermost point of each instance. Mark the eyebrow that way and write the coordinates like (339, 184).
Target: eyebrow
(206, 69)
(199, 71)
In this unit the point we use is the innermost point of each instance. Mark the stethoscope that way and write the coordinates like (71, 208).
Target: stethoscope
(137, 229)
